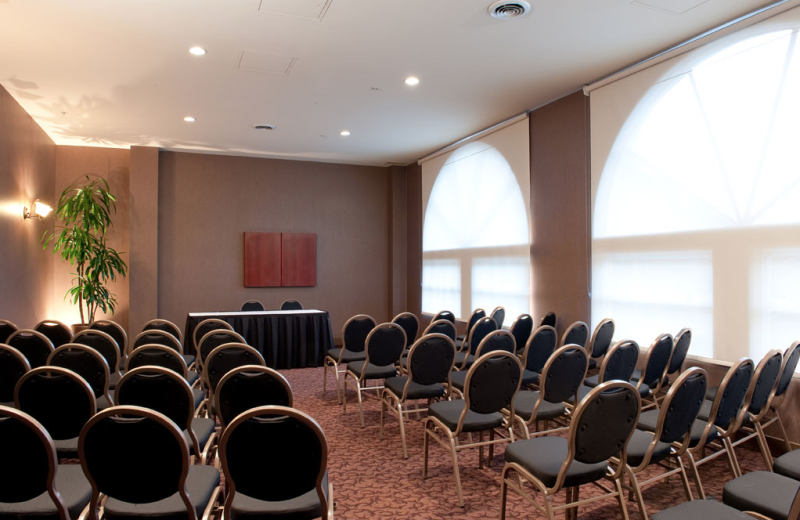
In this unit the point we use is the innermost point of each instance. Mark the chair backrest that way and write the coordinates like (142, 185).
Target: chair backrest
(13, 365)
(539, 348)
(656, 361)
(563, 374)
(158, 389)
(491, 384)
(57, 332)
(252, 306)
(620, 362)
(790, 358)
(114, 330)
(762, 386)
(682, 342)
(286, 440)
(225, 358)
(214, 339)
(601, 338)
(410, 324)
(548, 319)
(355, 332)
(58, 398)
(499, 316)
(476, 315)
(730, 395)
(248, 387)
(385, 344)
(157, 337)
(445, 315)
(102, 343)
(206, 326)
(86, 362)
(166, 326)
(431, 359)
(35, 346)
(681, 406)
(479, 331)
(497, 340)
(157, 356)
(30, 461)
(444, 327)
(6, 329)
(291, 305)
(156, 462)
(522, 329)
(576, 334)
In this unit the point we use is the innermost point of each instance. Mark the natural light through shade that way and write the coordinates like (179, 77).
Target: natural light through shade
(695, 219)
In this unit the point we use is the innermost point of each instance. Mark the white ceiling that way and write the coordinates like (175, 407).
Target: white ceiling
(118, 73)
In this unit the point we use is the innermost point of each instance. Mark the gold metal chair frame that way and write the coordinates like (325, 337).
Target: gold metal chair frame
(251, 368)
(92, 352)
(573, 497)
(9, 324)
(329, 362)
(60, 325)
(666, 383)
(107, 337)
(160, 321)
(654, 391)
(222, 325)
(775, 404)
(30, 332)
(19, 357)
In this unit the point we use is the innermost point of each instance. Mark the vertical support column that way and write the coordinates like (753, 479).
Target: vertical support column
(398, 240)
(414, 238)
(143, 274)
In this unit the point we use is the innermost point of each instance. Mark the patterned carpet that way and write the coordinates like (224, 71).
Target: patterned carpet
(372, 481)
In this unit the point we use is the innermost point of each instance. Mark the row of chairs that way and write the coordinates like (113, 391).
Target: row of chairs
(257, 306)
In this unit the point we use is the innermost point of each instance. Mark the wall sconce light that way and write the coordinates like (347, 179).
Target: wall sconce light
(38, 210)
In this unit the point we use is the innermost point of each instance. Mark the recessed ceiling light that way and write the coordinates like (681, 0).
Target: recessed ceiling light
(411, 80)
(263, 127)
(197, 51)
(344, 133)
(189, 119)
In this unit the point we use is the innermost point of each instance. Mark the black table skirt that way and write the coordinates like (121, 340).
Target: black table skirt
(285, 340)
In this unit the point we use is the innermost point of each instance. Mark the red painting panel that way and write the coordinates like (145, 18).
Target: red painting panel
(262, 259)
(299, 259)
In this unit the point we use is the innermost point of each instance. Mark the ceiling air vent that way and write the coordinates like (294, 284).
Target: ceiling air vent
(264, 127)
(506, 10)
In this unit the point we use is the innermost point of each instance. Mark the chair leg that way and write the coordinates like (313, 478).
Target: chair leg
(480, 450)
(623, 508)
(685, 480)
(762, 444)
(383, 415)
(786, 444)
(360, 404)
(454, 454)
(637, 492)
(503, 493)
(402, 428)
(732, 461)
(425, 434)
(696, 475)
(491, 449)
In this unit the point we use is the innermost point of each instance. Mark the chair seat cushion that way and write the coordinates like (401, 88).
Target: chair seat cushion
(200, 485)
(592, 363)
(459, 342)
(67, 448)
(592, 381)
(372, 371)
(113, 380)
(71, 484)
(198, 395)
(341, 355)
(701, 510)
(637, 448)
(460, 360)
(191, 377)
(529, 377)
(711, 393)
(302, 507)
(705, 410)
(525, 400)
(102, 402)
(203, 428)
(457, 379)
(415, 390)
(788, 465)
(448, 412)
(543, 458)
(189, 359)
(649, 419)
(762, 492)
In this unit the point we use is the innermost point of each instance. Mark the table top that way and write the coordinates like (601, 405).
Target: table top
(255, 313)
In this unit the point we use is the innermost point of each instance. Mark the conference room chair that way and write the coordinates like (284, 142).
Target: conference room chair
(13, 365)
(576, 334)
(61, 400)
(619, 364)
(6, 329)
(275, 461)
(383, 347)
(291, 305)
(248, 387)
(522, 329)
(481, 329)
(670, 439)
(354, 336)
(58, 333)
(496, 340)
(166, 357)
(601, 427)
(154, 477)
(90, 365)
(656, 363)
(160, 337)
(445, 315)
(443, 327)
(206, 326)
(562, 375)
(116, 331)
(430, 362)
(491, 384)
(222, 360)
(476, 315)
(549, 320)
(764, 493)
(410, 324)
(166, 392)
(35, 346)
(252, 306)
(107, 347)
(45, 489)
(790, 358)
(537, 351)
(166, 326)
(788, 465)
(680, 349)
(600, 341)
(499, 316)
(214, 339)
(712, 510)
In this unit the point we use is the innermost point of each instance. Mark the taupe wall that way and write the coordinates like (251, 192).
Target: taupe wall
(207, 202)
(27, 172)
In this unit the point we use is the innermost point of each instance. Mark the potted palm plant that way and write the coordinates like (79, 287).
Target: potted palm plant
(85, 213)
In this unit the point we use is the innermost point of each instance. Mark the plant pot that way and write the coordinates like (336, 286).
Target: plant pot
(78, 327)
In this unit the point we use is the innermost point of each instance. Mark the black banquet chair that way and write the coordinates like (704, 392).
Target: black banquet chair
(165, 357)
(166, 326)
(354, 336)
(13, 366)
(252, 306)
(7, 328)
(576, 334)
(44, 490)
(87, 363)
(790, 358)
(214, 339)
(222, 360)
(56, 332)
(248, 387)
(161, 337)
(444, 315)
(116, 331)
(206, 326)
(548, 319)
(107, 347)
(480, 330)
(499, 316)
(476, 315)
(291, 305)
(600, 341)
(496, 340)
(410, 324)
(35, 346)
(275, 462)
(537, 351)
(522, 328)
(154, 478)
